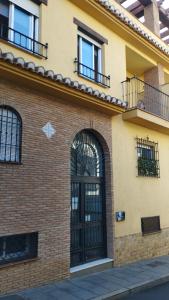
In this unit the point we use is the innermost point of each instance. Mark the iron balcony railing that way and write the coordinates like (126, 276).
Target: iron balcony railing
(21, 40)
(91, 74)
(140, 94)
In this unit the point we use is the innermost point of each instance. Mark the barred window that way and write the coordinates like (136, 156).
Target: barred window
(10, 135)
(147, 158)
(18, 247)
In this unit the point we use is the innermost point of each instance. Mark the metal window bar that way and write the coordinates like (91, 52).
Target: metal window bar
(147, 158)
(21, 40)
(10, 135)
(91, 74)
(142, 95)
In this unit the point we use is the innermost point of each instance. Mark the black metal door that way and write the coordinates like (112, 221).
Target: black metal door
(88, 234)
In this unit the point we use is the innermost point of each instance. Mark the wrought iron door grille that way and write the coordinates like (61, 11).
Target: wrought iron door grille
(147, 158)
(87, 157)
(88, 235)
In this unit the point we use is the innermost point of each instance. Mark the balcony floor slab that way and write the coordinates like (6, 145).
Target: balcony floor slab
(146, 119)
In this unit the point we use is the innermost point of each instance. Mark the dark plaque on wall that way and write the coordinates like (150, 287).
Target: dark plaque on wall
(120, 216)
(150, 224)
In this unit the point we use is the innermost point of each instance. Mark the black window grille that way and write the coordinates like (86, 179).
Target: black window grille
(10, 135)
(18, 247)
(147, 158)
(150, 224)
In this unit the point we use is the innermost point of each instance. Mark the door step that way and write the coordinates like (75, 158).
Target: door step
(92, 267)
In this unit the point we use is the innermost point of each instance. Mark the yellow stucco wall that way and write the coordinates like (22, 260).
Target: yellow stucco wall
(138, 196)
(131, 193)
(58, 29)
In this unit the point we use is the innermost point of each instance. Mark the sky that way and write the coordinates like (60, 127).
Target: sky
(165, 5)
(129, 2)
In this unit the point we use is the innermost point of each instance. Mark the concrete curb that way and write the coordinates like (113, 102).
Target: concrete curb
(134, 289)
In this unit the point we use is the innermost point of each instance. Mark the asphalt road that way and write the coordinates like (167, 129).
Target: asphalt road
(160, 292)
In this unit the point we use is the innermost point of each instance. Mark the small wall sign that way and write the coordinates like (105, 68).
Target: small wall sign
(120, 216)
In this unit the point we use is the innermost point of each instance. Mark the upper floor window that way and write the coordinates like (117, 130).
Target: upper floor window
(90, 59)
(19, 24)
(10, 135)
(148, 158)
(4, 18)
(89, 62)
(24, 25)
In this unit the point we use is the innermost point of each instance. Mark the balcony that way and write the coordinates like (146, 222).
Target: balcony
(23, 41)
(147, 105)
(91, 74)
(142, 95)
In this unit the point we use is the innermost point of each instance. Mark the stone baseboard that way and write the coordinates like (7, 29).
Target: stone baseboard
(137, 246)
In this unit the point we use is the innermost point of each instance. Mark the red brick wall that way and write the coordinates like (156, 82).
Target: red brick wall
(35, 196)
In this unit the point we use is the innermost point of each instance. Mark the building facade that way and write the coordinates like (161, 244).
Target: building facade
(83, 138)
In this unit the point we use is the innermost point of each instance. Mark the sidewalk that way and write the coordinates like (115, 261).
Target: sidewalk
(110, 284)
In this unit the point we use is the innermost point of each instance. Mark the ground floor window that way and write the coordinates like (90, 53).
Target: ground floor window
(18, 247)
(147, 158)
(10, 135)
(150, 224)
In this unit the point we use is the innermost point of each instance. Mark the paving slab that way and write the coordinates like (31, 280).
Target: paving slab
(12, 297)
(109, 284)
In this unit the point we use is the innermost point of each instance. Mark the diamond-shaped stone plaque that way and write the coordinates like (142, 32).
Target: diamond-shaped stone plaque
(48, 130)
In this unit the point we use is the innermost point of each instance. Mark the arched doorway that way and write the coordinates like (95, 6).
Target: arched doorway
(88, 207)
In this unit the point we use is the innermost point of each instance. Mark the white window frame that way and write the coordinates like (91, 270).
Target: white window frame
(33, 23)
(82, 36)
(28, 6)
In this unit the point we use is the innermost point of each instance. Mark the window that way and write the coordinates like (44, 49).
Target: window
(90, 58)
(25, 25)
(89, 61)
(19, 247)
(4, 16)
(10, 135)
(19, 24)
(147, 158)
(150, 224)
